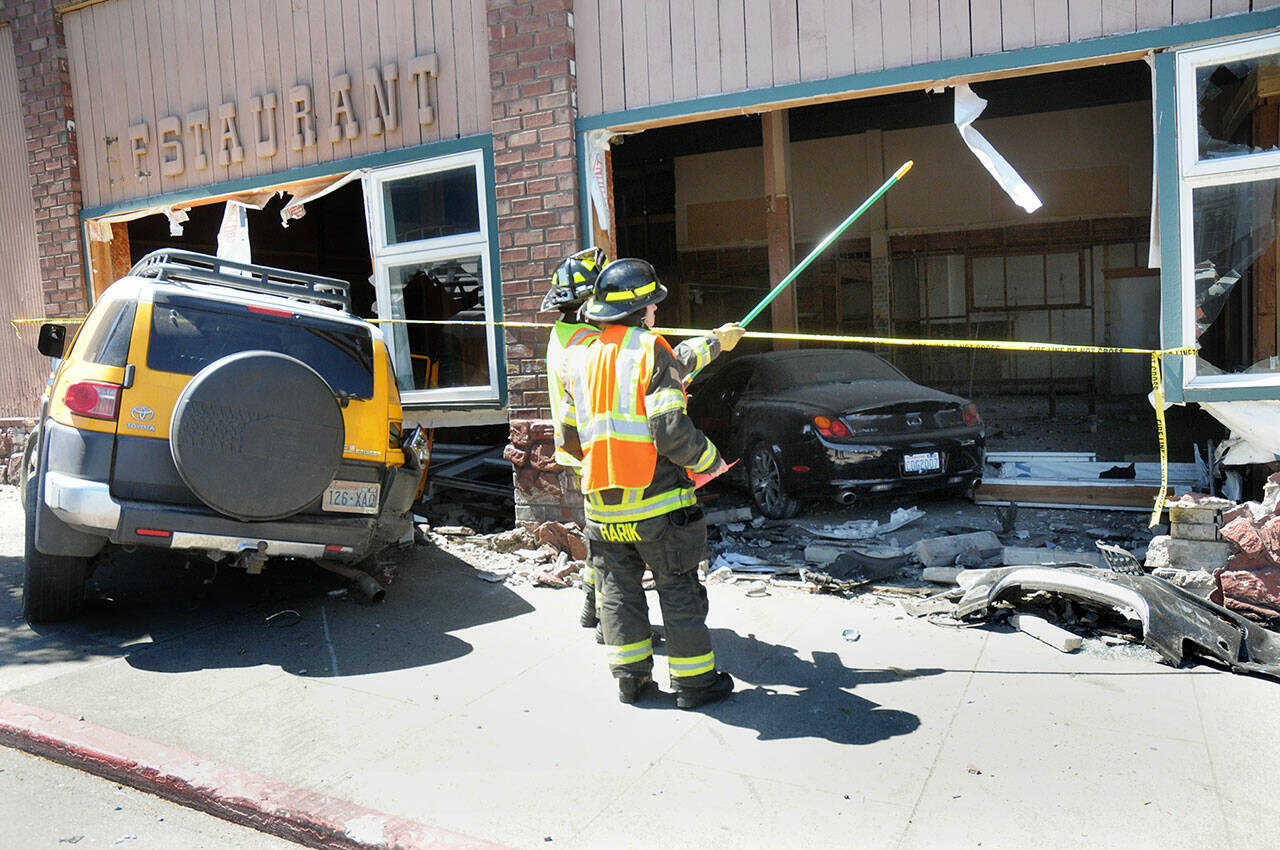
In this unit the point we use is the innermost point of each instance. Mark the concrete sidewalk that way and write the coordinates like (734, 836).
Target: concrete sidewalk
(485, 710)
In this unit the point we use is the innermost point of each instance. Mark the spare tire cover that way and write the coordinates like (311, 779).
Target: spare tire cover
(257, 435)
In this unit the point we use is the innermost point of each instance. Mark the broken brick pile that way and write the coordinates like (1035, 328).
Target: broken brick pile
(12, 440)
(1250, 580)
(547, 491)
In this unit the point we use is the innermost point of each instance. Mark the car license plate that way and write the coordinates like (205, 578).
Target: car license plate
(922, 462)
(352, 497)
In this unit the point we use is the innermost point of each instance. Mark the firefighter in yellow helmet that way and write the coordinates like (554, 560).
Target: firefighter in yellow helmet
(624, 416)
(571, 285)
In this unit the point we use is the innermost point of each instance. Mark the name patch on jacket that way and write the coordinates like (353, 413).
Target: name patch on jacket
(620, 532)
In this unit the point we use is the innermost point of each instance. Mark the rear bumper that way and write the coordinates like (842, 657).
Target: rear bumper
(814, 467)
(89, 507)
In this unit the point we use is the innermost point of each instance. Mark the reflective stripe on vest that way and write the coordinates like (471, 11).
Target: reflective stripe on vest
(564, 335)
(610, 378)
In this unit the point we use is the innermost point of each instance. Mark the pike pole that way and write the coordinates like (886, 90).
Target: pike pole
(821, 246)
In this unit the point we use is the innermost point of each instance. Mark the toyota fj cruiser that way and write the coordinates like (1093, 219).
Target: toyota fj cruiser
(222, 409)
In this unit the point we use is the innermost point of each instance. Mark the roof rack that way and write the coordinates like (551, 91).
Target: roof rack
(191, 267)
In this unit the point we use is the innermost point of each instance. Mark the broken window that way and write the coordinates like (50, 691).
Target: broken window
(430, 240)
(1229, 164)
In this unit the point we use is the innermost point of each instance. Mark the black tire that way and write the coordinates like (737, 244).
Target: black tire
(53, 585)
(764, 477)
(257, 435)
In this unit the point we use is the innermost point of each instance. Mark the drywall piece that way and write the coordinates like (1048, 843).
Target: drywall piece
(1166, 551)
(968, 107)
(1046, 632)
(942, 551)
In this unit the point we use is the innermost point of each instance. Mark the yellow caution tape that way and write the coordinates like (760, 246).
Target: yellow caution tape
(1156, 354)
(13, 323)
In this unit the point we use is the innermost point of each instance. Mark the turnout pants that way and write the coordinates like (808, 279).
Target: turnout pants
(671, 546)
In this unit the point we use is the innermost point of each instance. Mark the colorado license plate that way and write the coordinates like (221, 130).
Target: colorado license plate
(352, 497)
(922, 462)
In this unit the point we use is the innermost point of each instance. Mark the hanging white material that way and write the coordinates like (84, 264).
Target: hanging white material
(233, 235)
(296, 208)
(1153, 240)
(177, 217)
(967, 109)
(597, 180)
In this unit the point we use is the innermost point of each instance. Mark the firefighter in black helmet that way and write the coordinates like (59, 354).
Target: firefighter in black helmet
(624, 416)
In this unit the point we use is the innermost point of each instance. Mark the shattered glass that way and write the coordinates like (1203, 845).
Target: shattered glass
(1227, 95)
(1234, 230)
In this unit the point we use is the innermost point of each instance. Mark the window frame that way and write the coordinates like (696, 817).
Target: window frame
(387, 255)
(1193, 173)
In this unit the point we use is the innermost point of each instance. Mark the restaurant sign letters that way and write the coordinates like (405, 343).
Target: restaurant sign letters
(197, 140)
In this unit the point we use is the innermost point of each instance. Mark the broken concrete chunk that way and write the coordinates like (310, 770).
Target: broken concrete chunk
(1193, 530)
(942, 551)
(454, 530)
(1193, 515)
(721, 516)
(1046, 632)
(1166, 551)
(1019, 556)
(1199, 582)
(940, 575)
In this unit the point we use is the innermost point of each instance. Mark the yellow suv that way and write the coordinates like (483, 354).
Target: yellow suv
(224, 409)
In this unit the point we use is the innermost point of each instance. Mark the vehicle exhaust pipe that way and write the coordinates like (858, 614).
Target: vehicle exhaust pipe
(846, 497)
(368, 585)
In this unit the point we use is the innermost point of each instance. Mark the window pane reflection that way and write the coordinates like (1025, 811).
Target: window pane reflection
(439, 356)
(1231, 103)
(430, 206)
(1236, 281)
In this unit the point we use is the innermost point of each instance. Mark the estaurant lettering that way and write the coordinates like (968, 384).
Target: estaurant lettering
(196, 140)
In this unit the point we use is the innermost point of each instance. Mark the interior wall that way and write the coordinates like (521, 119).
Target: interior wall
(1081, 162)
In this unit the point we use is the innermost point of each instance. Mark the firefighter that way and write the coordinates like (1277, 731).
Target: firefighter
(624, 416)
(571, 284)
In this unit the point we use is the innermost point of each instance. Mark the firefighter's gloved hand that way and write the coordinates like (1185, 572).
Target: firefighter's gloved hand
(729, 335)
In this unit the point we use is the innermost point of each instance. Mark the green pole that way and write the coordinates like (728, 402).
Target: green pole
(821, 246)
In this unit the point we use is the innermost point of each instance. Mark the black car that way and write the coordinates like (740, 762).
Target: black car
(839, 423)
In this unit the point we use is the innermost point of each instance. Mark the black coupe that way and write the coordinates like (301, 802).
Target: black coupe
(836, 422)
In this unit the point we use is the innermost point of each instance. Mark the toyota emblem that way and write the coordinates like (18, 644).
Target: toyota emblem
(914, 420)
(142, 413)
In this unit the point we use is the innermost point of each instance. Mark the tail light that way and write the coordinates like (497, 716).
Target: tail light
(971, 417)
(93, 398)
(830, 427)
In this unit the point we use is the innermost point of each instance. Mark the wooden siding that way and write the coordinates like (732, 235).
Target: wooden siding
(22, 381)
(637, 53)
(138, 61)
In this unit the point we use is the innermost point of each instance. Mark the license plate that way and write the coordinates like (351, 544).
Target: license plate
(923, 462)
(352, 497)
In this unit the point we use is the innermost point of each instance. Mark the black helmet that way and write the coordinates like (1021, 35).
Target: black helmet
(574, 280)
(624, 287)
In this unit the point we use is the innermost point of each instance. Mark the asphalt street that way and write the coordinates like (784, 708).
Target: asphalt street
(486, 710)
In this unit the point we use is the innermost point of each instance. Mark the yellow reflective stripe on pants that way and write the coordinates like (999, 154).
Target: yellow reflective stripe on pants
(631, 653)
(588, 574)
(636, 510)
(683, 668)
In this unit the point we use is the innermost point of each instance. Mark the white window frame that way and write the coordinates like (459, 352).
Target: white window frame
(1195, 174)
(387, 256)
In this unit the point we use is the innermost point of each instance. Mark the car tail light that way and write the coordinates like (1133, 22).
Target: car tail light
(830, 427)
(971, 417)
(93, 398)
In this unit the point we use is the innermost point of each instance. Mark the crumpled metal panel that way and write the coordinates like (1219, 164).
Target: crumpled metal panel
(1175, 623)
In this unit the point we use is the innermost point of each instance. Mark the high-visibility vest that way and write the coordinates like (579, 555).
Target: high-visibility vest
(610, 378)
(564, 335)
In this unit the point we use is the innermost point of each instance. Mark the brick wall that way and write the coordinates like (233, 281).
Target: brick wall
(44, 85)
(533, 88)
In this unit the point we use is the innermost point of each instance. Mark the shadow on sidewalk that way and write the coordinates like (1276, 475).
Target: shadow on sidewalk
(162, 617)
(781, 695)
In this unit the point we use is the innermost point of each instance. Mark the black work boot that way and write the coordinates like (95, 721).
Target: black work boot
(630, 687)
(694, 697)
(588, 618)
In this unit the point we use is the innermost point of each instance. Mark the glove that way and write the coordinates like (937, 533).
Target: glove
(729, 335)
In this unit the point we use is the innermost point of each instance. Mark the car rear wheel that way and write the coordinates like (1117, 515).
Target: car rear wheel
(53, 586)
(764, 475)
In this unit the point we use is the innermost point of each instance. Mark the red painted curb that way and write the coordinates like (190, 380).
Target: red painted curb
(308, 818)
